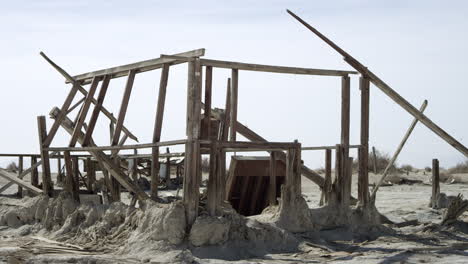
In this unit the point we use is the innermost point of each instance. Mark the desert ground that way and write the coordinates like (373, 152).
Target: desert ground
(416, 236)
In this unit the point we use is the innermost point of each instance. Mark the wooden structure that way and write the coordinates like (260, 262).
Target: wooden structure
(208, 131)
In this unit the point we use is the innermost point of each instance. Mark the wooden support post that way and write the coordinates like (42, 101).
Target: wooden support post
(297, 169)
(70, 183)
(347, 180)
(157, 130)
(59, 170)
(123, 107)
(46, 179)
(435, 183)
(272, 185)
(91, 174)
(363, 178)
(76, 170)
(97, 109)
(290, 161)
(34, 173)
(345, 124)
(192, 149)
(227, 113)
(328, 181)
(221, 171)
(208, 88)
(20, 170)
(213, 187)
(134, 168)
(168, 167)
(338, 183)
(233, 106)
(374, 159)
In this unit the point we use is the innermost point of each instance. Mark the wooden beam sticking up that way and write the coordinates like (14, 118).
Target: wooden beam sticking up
(227, 113)
(233, 105)
(70, 184)
(84, 112)
(435, 183)
(97, 109)
(326, 190)
(272, 185)
(46, 179)
(374, 160)
(397, 152)
(192, 149)
(157, 130)
(208, 88)
(20, 170)
(388, 90)
(84, 92)
(34, 172)
(338, 183)
(123, 107)
(91, 174)
(213, 187)
(363, 177)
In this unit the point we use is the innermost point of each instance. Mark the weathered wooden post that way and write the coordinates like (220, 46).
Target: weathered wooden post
(233, 112)
(46, 179)
(20, 170)
(272, 185)
(328, 180)
(363, 178)
(192, 148)
(91, 174)
(34, 172)
(435, 183)
(374, 157)
(338, 184)
(70, 183)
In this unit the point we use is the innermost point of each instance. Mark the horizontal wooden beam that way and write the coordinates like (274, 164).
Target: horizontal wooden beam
(327, 147)
(260, 145)
(141, 66)
(270, 68)
(135, 146)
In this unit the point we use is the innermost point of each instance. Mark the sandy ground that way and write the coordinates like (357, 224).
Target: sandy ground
(421, 243)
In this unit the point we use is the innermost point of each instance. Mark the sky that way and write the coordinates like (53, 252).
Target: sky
(417, 47)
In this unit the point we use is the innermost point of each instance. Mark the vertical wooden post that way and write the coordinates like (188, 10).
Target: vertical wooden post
(208, 88)
(345, 124)
(328, 167)
(34, 172)
(157, 131)
(348, 171)
(227, 113)
(91, 174)
(363, 178)
(168, 166)
(221, 171)
(374, 157)
(192, 150)
(59, 169)
(96, 111)
(339, 173)
(272, 185)
(70, 183)
(123, 107)
(290, 161)
(233, 112)
(435, 183)
(20, 170)
(213, 187)
(297, 169)
(134, 168)
(46, 179)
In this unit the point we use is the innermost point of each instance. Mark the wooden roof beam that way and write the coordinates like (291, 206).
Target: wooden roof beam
(141, 66)
(271, 68)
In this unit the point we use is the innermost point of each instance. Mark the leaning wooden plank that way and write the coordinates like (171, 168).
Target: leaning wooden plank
(13, 178)
(84, 92)
(96, 111)
(157, 130)
(108, 164)
(233, 112)
(141, 66)
(46, 178)
(84, 112)
(270, 68)
(388, 90)
(123, 107)
(397, 152)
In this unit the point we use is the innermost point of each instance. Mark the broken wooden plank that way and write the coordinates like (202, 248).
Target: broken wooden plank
(13, 178)
(123, 107)
(233, 105)
(46, 178)
(397, 98)
(141, 66)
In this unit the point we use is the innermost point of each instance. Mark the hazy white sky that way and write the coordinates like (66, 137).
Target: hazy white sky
(417, 47)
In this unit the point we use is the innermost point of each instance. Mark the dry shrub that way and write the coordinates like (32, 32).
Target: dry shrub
(427, 169)
(12, 167)
(382, 160)
(407, 168)
(461, 167)
(205, 164)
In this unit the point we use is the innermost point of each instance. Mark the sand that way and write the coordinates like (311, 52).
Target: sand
(43, 230)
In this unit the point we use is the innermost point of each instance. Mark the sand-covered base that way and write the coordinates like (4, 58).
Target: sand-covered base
(43, 230)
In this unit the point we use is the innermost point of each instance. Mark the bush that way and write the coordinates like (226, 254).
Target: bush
(205, 164)
(12, 167)
(427, 169)
(382, 160)
(461, 167)
(407, 168)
